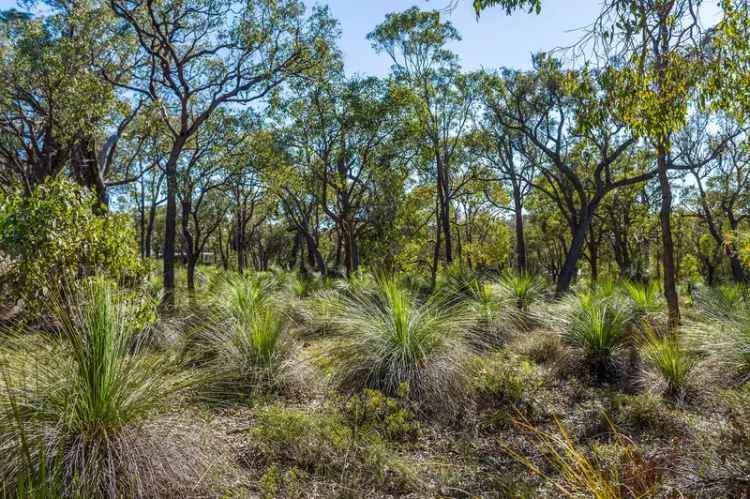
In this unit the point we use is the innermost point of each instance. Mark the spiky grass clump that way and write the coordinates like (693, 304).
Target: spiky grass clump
(597, 327)
(522, 288)
(496, 318)
(670, 363)
(646, 298)
(726, 343)
(725, 337)
(72, 407)
(724, 301)
(388, 338)
(244, 344)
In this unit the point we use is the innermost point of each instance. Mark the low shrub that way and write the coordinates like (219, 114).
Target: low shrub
(391, 417)
(324, 446)
(73, 406)
(386, 338)
(596, 327)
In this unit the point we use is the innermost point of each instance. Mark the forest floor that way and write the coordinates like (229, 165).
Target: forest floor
(540, 426)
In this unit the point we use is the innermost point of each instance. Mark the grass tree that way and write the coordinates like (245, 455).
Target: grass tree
(597, 327)
(243, 345)
(387, 339)
(72, 407)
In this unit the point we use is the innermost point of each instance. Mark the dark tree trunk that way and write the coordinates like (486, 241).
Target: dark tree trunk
(665, 219)
(594, 261)
(738, 272)
(570, 265)
(190, 267)
(170, 221)
(444, 209)
(521, 263)
(436, 251)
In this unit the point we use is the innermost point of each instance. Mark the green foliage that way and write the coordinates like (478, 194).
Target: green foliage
(506, 382)
(394, 418)
(671, 361)
(522, 288)
(74, 404)
(508, 5)
(322, 444)
(386, 338)
(646, 298)
(55, 236)
(598, 328)
(243, 343)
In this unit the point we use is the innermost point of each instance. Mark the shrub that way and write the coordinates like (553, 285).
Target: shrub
(243, 345)
(55, 235)
(596, 327)
(75, 404)
(522, 289)
(670, 363)
(393, 417)
(388, 338)
(323, 445)
(506, 381)
(643, 412)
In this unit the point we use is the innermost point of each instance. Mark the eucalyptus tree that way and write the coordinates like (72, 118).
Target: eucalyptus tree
(247, 191)
(580, 148)
(340, 134)
(203, 174)
(443, 99)
(720, 187)
(657, 46)
(197, 56)
(501, 150)
(56, 114)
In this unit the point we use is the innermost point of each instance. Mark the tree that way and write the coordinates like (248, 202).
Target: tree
(565, 119)
(55, 112)
(196, 56)
(442, 97)
(721, 187)
(502, 150)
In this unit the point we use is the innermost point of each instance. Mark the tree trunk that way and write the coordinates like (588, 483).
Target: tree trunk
(444, 208)
(190, 267)
(665, 219)
(738, 272)
(170, 221)
(570, 265)
(521, 264)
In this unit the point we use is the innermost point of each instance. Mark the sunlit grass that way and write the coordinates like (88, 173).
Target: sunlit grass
(75, 403)
(388, 338)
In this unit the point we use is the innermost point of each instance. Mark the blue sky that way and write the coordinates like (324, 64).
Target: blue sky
(496, 40)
